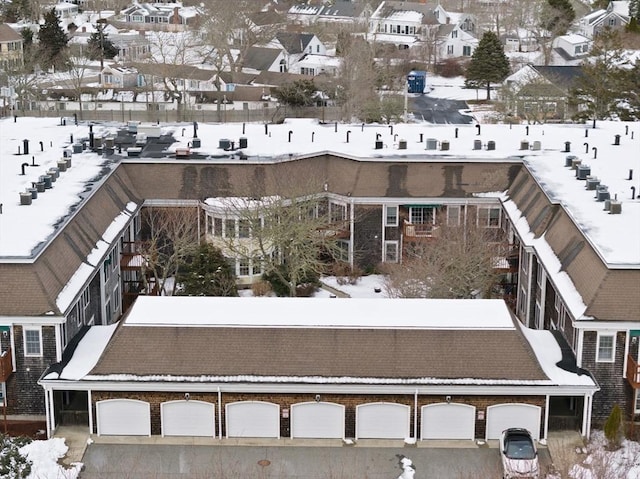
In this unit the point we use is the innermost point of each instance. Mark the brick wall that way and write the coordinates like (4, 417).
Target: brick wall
(24, 396)
(614, 388)
(285, 401)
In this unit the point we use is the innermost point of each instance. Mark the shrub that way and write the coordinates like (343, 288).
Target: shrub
(261, 288)
(345, 274)
(613, 428)
(12, 464)
(450, 68)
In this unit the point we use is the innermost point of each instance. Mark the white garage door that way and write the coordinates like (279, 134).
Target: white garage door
(253, 419)
(448, 421)
(188, 418)
(504, 416)
(382, 421)
(123, 417)
(317, 420)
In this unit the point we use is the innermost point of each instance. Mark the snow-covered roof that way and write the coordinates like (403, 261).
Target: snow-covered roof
(23, 228)
(321, 313)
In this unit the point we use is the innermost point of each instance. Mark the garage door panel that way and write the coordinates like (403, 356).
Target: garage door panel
(383, 421)
(320, 420)
(504, 416)
(188, 418)
(253, 419)
(448, 421)
(123, 417)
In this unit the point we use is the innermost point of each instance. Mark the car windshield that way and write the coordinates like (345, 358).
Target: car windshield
(520, 447)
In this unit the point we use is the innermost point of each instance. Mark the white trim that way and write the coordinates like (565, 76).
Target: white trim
(385, 245)
(31, 320)
(385, 215)
(24, 341)
(605, 334)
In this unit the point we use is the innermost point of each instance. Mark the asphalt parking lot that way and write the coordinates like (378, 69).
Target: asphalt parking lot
(166, 461)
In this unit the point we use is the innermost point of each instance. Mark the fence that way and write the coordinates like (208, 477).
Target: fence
(266, 115)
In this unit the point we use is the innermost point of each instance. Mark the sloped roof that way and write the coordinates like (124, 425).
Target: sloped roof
(8, 34)
(294, 42)
(563, 76)
(278, 78)
(260, 58)
(269, 17)
(324, 353)
(343, 8)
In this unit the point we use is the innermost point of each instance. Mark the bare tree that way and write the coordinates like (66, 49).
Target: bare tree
(229, 32)
(357, 77)
(170, 237)
(458, 262)
(293, 237)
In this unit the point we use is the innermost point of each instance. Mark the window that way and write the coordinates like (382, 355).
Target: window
(489, 217)
(338, 212)
(229, 228)
(391, 216)
(466, 51)
(522, 307)
(256, 266)
(243, 269)
(391, 251)
(453, 215)
(454, 34)
(244, 228)
(539, 275)
(32, 342)
(421, 215)
(449, 49)
(343, 250)
(606, 348)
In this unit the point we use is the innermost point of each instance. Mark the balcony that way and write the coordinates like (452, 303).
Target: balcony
(420, 230)
(633, 372)
(6, 365)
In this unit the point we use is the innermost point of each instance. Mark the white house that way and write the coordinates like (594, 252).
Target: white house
(317, 65)
(572, 46)
(615, 16)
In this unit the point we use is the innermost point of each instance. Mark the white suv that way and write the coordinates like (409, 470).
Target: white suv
(519, 455)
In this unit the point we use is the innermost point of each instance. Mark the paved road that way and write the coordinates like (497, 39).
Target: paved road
(439, 110)
(124, 461)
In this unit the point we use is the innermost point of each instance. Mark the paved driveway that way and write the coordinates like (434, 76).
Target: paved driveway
(124, 461)
(439, 110)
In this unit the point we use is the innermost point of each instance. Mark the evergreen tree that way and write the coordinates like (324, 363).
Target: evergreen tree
(557, 16)
(207, 273)
(488, 64)
(100, 46)
(634, 9)
(613, 428)
(53, 41)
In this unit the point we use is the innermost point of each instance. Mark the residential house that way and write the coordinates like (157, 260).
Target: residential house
(118, 76)
(170, 15)
(408, 24)
(11, 51)
(541, 93)
(297, 45)
(304, 13)
(572, 47)
(314, 65)
(614, 17)
(569, 221)
(346, 12)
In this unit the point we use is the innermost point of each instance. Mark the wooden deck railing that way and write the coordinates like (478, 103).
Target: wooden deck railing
(6, 365)
(633, 372)
(425, 230)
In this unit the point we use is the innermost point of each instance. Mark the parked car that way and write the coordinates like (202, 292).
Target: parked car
(519, 455)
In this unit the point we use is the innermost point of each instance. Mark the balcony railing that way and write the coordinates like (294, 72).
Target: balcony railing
(6, 365)
(633, 372)
(419, 230)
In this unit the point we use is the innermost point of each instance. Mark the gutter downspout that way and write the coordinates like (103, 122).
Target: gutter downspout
(352, 218)
(46, 411)
(219, 413)
(415, 415)
(546, 418)
(529, 289)
(89, 400)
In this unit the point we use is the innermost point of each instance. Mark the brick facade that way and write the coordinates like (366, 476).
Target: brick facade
(285, 401)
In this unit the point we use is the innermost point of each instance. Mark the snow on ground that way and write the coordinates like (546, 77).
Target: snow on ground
(44, 455)
(364, 287)
(601, 463)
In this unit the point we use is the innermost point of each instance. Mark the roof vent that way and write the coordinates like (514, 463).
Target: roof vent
(524, 145)
(432, 144)
(444, 145)
(477, 144)
(574, 163)
(491, 145)
(583, 171)
(537, 145)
